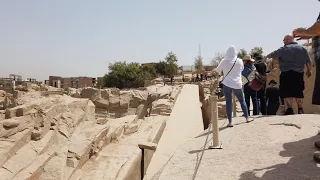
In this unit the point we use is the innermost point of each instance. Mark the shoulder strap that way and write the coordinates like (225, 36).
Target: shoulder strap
(230, 69)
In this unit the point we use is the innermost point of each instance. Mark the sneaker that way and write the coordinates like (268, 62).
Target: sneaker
(300, 111)
(249, 119)
(316, 156)
(289, 111)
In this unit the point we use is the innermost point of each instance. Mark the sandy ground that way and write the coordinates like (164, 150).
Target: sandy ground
(269, 148)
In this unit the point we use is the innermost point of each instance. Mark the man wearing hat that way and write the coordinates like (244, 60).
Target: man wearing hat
(272, 96)
(248, 75)
(261, 66)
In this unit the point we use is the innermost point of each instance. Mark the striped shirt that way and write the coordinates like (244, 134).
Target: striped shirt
(316, 44)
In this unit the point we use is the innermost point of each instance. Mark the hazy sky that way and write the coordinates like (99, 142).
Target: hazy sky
(80, 37)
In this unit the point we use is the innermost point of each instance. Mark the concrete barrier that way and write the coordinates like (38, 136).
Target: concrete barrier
(184, 123)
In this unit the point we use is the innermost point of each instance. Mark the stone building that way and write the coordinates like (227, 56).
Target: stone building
(73, 82)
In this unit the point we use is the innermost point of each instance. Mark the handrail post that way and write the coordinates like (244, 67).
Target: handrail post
(143, 146)
(214, 123)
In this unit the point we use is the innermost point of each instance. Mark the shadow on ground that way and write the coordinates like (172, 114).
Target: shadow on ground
(300, 166)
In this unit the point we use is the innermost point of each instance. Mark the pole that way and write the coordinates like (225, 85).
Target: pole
(142, 164)
(143, 146)
(214, 123)
(234, 105)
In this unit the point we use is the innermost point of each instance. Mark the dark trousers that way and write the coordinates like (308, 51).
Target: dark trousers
(263, 103)
(291, 84)
(250, 93)
(272, 108)
(316, 89)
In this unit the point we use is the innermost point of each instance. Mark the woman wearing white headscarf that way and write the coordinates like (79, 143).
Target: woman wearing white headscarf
(232, 68)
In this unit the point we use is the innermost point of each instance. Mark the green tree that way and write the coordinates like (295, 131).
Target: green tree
(198, 63)
(242, 53)
(217, 59)
(171, 64)
(257, 50)
(100, 82)
(128, 75)
(161, 68)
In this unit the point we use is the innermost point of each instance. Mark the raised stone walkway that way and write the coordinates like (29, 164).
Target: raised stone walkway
(184, 123)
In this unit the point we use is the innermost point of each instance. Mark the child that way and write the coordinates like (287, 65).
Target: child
(273, 96)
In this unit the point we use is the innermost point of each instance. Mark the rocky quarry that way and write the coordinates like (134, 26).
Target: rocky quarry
(55, 134)
(83, 134)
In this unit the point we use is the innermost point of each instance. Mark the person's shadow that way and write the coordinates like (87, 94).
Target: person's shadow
(300, 167)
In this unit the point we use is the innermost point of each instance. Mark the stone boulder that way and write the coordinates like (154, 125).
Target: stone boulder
(105, 94)
(115, 103)
(76, 93)
(90, 93)
(162, 107)
(157, 81)
(138, 97)
(2, 94)
(162, 91)
(28, 87)
(43, 87)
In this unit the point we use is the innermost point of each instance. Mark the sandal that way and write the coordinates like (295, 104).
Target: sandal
(229, 125)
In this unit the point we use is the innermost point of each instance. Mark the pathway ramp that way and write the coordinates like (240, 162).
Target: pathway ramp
(184, 123)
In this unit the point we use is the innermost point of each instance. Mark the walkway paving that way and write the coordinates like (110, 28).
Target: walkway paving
(270, 148)
(184, 123)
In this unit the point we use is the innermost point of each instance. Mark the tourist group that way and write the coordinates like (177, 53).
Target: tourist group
(246, 77)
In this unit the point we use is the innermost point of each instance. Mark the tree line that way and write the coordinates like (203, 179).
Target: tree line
(132, 75)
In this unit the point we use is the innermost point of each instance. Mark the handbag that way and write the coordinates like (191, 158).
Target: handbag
(258, 82)
(250, 77)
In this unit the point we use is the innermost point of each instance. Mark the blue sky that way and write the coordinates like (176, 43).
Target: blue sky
(80, 37)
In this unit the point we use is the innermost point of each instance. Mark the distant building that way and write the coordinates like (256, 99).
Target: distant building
(73, 82)
(184, 69)
(208, 68)
(46, 82)
(8, 84)
(15, 77)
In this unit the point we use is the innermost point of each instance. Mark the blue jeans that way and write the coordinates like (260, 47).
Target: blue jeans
(250, 93)
(239, 94)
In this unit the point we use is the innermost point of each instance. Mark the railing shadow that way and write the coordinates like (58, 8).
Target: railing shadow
(199, 159)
